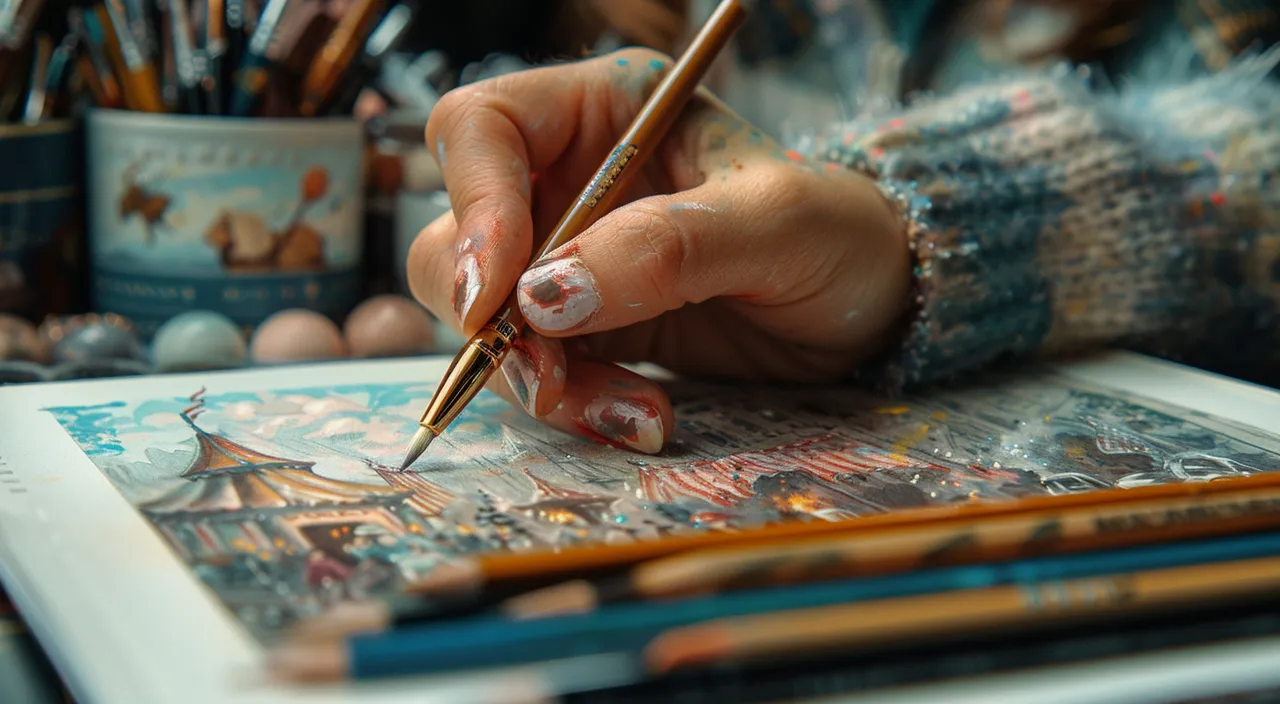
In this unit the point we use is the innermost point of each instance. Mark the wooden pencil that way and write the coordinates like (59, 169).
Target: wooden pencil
(629, 628)
(903, 548)
(802, 632)
(470, 576)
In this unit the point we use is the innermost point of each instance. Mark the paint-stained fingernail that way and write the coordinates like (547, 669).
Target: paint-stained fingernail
(625, 421)
(521, 370)
(466, 284)
(559, 294)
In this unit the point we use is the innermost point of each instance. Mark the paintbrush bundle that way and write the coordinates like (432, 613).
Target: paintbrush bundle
(280, 58)
(790, 543)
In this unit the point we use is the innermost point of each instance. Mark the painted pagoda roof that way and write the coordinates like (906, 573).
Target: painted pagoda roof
(218, 455)
(728, 480)
(269, 489)
(226, 476)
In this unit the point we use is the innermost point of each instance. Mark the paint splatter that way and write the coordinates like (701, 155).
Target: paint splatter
(466, 287)
(521, 371)
(623, 62)
(682, 207)
(440, 154)
(626, 422)
(657, 64)
(559, 295)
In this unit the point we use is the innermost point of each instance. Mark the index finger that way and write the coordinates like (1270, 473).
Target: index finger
(489, 137)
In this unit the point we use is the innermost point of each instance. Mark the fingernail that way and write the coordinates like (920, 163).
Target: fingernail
(559, 294)
(624, 421)
(466, 285)
(521, 372)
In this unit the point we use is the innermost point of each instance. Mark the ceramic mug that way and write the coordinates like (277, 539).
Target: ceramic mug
(245, 217)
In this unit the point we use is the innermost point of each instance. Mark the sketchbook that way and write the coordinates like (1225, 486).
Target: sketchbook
(160, 532)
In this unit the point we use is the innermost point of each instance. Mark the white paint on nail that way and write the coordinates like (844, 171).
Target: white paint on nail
(559, 294)
(631, 423)
(522, 376)
(557, 373)
(469, 274)
(634, 305)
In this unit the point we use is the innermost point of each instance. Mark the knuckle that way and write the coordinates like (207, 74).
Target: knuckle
(450, 111)
(784, 186)
(665, 253)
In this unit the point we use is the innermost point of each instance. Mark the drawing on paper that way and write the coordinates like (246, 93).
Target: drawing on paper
(283, 502)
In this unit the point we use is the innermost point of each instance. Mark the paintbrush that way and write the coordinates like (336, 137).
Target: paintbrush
(326, 71)
(215, 48)
(385, 39)
(989, 539)
(481, 356)
(112, 97)
(36, 100)
(188, 63)
(252, 77)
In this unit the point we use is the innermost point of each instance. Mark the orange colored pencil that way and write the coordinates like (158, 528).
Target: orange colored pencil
(475, 574)
(905, 548)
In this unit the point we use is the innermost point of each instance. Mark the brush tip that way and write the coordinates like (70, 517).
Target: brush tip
(314, 662)
(421, 441)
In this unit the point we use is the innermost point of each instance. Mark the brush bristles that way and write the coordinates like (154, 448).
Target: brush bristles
(421, 441)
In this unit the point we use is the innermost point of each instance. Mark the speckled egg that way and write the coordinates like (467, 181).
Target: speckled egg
(20, 341)
(297, 335)
(388, 326)
(96, 341)
(198, 340)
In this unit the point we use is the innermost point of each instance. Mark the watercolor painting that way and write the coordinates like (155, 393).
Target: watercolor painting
(285, 501)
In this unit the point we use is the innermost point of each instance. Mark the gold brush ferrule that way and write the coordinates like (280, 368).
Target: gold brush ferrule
(467, 375)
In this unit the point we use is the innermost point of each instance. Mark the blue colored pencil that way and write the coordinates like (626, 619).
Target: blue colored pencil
(497, 641)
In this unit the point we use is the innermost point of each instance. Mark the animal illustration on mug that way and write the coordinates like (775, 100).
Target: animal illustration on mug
(245, 242)
(141, 199)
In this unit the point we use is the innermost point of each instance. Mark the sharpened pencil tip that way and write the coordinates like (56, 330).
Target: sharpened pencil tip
(342, 620)
(450, 579)
(319, 662)
(575, 597)
(421, 441)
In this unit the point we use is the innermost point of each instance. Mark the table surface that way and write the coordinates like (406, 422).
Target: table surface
(26, 676)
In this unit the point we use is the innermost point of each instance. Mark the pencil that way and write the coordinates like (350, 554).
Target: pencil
(184, 55)
(137, 73)
(335, 56)
(384, 40)
(215, 47)
(860, 554)
(37, 91)
(484, 352)
(630, 628)
(796, 633)
(252, 77)
(474, 575)
(112, 97)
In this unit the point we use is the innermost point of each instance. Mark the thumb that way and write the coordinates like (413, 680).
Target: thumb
(659, 253)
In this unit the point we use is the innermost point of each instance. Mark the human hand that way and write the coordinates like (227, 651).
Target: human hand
(730, 256)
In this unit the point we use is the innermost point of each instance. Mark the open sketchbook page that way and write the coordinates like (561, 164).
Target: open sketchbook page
(186, 520)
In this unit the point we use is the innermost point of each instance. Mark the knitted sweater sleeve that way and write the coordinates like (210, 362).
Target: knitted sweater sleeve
(1046, 217)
